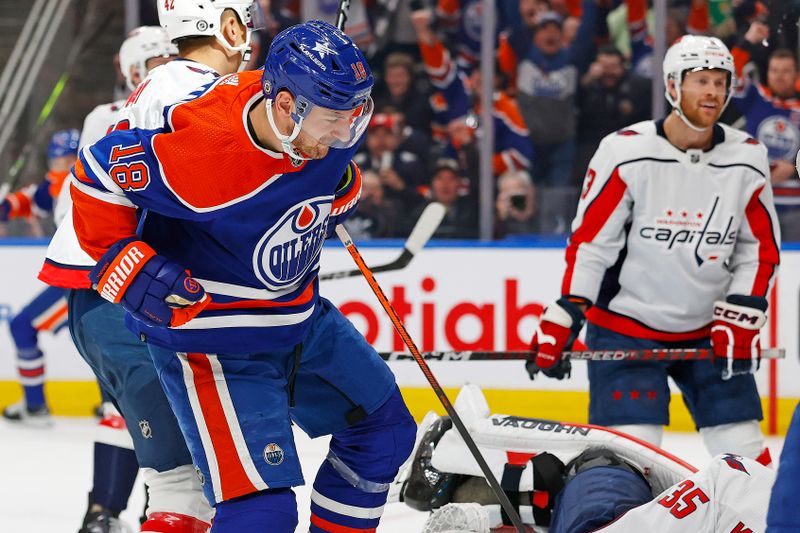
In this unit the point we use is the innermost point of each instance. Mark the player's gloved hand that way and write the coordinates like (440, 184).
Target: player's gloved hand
(345, 201)
(558, 328)
(153, 289)
(735, 335)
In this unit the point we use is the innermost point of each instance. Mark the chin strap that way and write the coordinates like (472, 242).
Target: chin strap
(688, 122)
(676, 106)
(286, 140)
(244, 49)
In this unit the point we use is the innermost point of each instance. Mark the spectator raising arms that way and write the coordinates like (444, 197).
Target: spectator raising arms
(546, 74)
(458, 96)
(399, 90)
(610, 98)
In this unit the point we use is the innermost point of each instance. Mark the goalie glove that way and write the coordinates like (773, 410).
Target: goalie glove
(151, 288)
(345, 200)
(735, 334)
(558, 328)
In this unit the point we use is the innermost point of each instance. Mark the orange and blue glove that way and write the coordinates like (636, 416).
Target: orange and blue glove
(153, 289)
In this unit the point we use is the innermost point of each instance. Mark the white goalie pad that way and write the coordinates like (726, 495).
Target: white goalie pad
(502, 437)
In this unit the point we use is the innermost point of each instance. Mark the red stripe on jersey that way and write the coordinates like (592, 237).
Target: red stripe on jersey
(330, 527)
(31, 373)
(633, 328)
(302, 298)
(595, 217)
(768, 256)
(232, 476)
(55, 319)
(99, 224)
(67, 278)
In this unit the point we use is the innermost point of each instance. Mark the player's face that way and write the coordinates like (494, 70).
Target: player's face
(781, 76)
(703, 95)
(324, 128)
(445, 185)
(62, 164)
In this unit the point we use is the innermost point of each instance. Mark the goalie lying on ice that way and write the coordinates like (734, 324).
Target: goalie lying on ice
(574, 478)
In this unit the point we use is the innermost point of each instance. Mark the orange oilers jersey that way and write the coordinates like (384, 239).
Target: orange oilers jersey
(248, 222)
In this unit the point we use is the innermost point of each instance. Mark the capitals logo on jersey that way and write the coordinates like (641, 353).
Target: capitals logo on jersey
(291, 247)
(687, 227)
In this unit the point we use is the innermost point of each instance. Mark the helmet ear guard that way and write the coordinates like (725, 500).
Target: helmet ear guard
(202, 18)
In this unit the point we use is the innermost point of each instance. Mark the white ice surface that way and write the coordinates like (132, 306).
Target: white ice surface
(45, 475)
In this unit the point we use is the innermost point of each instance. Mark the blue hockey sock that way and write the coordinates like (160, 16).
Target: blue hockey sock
(115, 472)
(269, 511)
(30, 364)
(352, 484)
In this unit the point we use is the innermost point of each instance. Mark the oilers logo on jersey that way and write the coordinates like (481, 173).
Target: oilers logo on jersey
(780, 136)
(291, 247)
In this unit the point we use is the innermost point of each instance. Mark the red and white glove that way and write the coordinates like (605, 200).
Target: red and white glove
(558, 328)
(735, 336)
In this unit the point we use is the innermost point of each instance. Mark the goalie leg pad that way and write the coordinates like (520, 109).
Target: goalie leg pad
(352, 485)
(651, 433)
(739, 438)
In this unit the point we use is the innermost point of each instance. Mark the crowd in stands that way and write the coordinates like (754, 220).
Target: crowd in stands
(567, 73)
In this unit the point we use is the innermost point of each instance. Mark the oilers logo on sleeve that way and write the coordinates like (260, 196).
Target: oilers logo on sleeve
(291, 247)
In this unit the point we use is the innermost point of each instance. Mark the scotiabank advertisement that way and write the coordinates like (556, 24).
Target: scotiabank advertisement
(462, 298)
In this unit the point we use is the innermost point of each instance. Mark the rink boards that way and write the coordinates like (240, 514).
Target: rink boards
(466, 297)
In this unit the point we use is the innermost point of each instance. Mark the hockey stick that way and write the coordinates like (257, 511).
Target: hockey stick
(90, 31)
(437, 388)
(341, 13)
(688, 354)
(423, 230)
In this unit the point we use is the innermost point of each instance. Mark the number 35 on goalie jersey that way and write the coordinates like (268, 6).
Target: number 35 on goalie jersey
(248, 222)
(731, 495)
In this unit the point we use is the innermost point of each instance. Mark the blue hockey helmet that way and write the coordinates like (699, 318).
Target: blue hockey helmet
(63, 142)
(329, 78)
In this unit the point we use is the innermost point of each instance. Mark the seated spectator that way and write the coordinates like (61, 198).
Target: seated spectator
(461, 219)
(412, 140)
(610, 98)
(516, 208)
(401, 172)
(771, 112)
(400, 91)
(377, 217)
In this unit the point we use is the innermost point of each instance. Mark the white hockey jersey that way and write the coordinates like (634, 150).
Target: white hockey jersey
(67, 265)
(95, 126)
(660, 233)
(731, 495)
